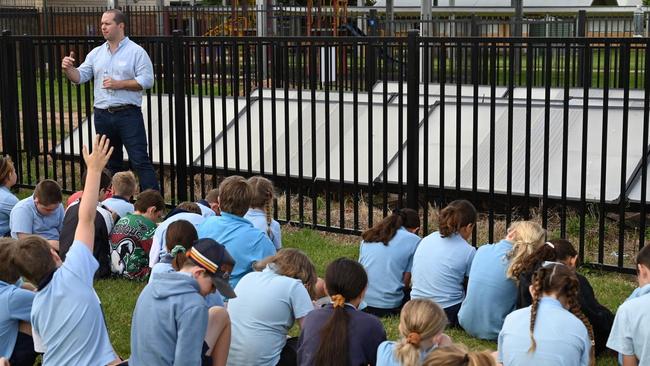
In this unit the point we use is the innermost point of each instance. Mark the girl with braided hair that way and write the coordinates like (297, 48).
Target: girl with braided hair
(562, 251)
(338, 334)
(553, 330)
(421, 326)
(386, 253)
(443, 259)
(261, 211)
(493, 279)
(458, 355)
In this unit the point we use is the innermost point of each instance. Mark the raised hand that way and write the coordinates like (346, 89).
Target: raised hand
(102, 151)
(68, 61)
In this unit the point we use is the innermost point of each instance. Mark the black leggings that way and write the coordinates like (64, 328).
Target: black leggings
(24, 354)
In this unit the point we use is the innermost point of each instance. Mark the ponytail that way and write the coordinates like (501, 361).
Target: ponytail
(458, 355)
(420, 319)
(179, 238)
(455, 216)
(385, 230)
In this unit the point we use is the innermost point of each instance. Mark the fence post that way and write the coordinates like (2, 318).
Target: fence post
(8, 96)
(179, 114)
(28, 95)
(412, 120)
(581, 31)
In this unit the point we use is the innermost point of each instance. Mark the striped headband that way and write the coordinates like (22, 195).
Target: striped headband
(202, 260)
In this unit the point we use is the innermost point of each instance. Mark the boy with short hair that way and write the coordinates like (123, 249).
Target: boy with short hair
(16, 342)
(124, 186)
(131, 238)
(630, 335)
(243, 241)
(103, 225)
(39, 214)
(210, 205)
(66, 312)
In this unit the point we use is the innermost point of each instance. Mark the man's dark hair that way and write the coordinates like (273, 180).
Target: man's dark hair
(118, 16)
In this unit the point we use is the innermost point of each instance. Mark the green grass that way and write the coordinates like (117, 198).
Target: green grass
(119, 296)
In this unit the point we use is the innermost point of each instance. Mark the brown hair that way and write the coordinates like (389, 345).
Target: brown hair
(562, 281)
(181, 233)
(118, 16)
(212, 196)
(263, 198)
(32, 257)
(558, 250)
(48, 192)
(527, 237)
(643, 257)
(235, 195)
(149, 198)
(189, 207)
(456, 215)
(105, 179)
(348, 279)
(421, 317)
(292, 263)
(385, 229)
(6, 168)
(8, 272)
(124, 184)
(458, 355)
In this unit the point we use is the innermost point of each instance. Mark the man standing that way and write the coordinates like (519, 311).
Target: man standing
(121, 69)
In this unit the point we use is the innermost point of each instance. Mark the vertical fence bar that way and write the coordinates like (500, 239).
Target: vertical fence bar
(625, 83)
(179, 113)
(493, 76)
(9, 98)
(644, 146)
(586, 74)
(547, 122)
(412, 105)
(603, 155)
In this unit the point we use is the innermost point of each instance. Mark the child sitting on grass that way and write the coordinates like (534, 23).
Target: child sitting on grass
(458, 355)
(421, 326)
(261, 211)
(65, 289)
(124, 187)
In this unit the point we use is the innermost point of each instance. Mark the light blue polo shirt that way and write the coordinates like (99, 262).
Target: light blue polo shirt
(67, 314)
(440, 266)
(244, 242)
(15, 306)
(386, 354)
(488, 284)
(386, 265)
(7, 202)
(258, 218)
(206, 211)
(158, 245)
(630, 333)
(119, 205)
(26, 219)
(266, 306)
(562, 339)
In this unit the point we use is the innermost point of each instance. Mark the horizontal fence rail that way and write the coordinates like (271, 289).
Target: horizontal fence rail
(322, 21)
(348, 128)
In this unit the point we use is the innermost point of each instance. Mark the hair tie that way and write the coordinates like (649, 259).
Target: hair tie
(466, 358)
(414, 339)
(550, 244)
(338, 301)
(178, 249)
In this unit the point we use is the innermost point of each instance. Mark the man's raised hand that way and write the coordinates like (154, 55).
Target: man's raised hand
(68, 61)
(102, 151)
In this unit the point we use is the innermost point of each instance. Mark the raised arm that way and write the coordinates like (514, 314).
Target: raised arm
(95, 162)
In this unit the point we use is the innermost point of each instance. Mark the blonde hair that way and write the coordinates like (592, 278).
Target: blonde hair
(420, 319)
(263, 198)
(527, 236)
(124, 184)
(292, 263)
(458, 355)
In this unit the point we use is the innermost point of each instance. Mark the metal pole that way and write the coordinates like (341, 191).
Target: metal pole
(412, 118)
(179, 114)
(8, 95)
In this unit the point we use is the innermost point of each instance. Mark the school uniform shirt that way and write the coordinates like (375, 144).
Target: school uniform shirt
(7, 202)
(244, 242)
(365, 333)
(630, 333)
(67, 315)
(158, 245)
(165, 266)
(119, 205)
(562, 339)
(488, 284)
(386, 265)
(266, 307)
(15, 306)
(440, 266)
(386, 354)
(26, 219)
(206, 211)
(258, 218)
(130, 246)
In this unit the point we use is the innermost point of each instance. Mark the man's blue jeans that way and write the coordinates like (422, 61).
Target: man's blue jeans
(126, 127)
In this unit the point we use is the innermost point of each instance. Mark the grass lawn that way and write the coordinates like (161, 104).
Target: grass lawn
(119, 296)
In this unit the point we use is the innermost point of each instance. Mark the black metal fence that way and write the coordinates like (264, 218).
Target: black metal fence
(320, 21)
(552, 129)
